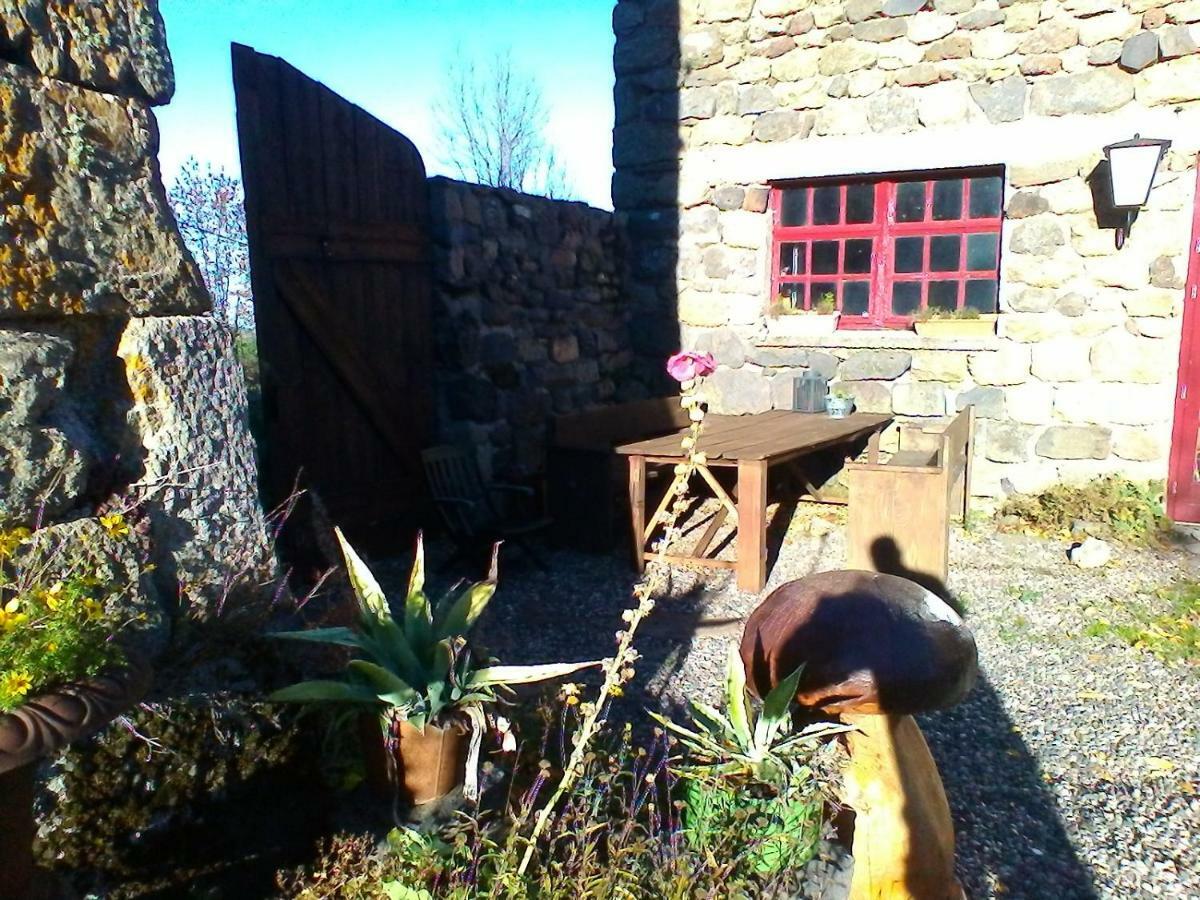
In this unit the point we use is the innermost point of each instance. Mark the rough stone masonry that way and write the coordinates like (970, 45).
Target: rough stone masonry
(116, 390)
(718, 99)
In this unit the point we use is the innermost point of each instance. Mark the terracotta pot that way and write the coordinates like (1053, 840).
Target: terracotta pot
(41, 728)
(419, 767)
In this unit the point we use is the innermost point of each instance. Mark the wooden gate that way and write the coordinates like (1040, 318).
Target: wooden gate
(336, 213)
(1183, 484)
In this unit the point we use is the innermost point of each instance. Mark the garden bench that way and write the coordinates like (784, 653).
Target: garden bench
(899, 518)
(587, 479)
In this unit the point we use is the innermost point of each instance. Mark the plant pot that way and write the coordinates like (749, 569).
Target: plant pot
(419, 767)
(802, 325)
(786, 840)
(41, 728)
(981, 327)
(839, 407)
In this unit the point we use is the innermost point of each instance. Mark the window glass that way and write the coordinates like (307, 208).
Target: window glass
(820, 291)
(906, 298)
(981, 251)
(825, 257)
(827, 205)
(944, 252)
(910, 201)
(792, 295)
(860, 203)
(947, 199)
(791, 258)
(981, 294)
(858, 256)
(985, 197)
(910, 254)
(794, 207)
(856, 297)
(943, 295)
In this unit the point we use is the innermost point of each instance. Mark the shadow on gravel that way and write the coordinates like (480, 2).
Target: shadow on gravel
(1010, 838)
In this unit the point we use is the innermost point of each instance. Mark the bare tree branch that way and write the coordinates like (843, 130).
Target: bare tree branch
(492, 128)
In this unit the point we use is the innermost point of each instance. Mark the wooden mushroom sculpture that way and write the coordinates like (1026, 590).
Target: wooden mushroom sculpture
(876, 648)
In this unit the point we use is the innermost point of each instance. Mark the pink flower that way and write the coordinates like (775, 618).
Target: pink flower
(686, 366)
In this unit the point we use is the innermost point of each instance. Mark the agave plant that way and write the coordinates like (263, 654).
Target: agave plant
(417, 664)
(747, 742)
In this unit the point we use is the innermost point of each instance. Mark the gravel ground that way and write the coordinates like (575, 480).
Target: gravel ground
(1072, 769)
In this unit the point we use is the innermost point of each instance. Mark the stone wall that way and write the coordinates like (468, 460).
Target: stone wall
(530, 319)
(116, 391)
(1080, 377)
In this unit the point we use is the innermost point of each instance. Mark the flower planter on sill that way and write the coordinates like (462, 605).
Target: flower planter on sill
(984, 326)
(42, 727)
(802, 325)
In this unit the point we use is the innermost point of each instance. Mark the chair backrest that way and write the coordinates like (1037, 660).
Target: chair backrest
(620, 423)
(458, 489)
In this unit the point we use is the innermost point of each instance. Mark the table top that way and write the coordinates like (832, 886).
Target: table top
(763, 435)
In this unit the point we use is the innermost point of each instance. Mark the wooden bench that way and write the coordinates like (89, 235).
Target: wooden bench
(900, 510)
(587, 479)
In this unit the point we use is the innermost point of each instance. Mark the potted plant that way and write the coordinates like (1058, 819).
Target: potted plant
(965, 322)
(839, 403)
(418, 672)
(747, 764)
(820, 319)
(63, 674)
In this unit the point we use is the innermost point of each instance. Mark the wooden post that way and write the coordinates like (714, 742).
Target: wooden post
(637, 509)
(752, 525)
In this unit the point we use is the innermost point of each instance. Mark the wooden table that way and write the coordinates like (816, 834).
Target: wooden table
(752, 444)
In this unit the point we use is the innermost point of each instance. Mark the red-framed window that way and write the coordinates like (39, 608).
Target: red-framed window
(883, 248)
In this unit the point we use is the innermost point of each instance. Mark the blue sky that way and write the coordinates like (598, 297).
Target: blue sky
(389, 57)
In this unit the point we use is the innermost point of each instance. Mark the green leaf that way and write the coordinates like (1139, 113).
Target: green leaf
(418, 614)
(388, 686)
(343, 637)
(393, 647)
(736, 698)
(692, 738)
(397, 891)
(713, 721)
(467, 609)
(370, 596)
(775, 709)
(502, 675)
(324, 691)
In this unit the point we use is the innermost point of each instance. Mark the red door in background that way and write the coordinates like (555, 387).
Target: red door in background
(1183, 481)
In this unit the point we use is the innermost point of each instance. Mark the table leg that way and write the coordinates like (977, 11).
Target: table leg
(752, 525)
(637, 509)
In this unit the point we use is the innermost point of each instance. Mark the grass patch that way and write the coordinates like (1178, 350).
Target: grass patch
(1170, 628)
(1110, 507)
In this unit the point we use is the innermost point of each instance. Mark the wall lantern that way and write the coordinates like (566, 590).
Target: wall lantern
(1131, 168)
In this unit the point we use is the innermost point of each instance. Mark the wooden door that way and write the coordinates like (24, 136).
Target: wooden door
(1183, 484)
(336, 215)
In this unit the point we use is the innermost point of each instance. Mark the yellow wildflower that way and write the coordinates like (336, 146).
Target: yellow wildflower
(17, 684)
(114, 524)
(53, 596)
(616, 691)
(10, 616)
(93, 609)
(11, 539)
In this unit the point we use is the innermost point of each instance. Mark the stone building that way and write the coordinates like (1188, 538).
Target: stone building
(898, 155)
(117, 391)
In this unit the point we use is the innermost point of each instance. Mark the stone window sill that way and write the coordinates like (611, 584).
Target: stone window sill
(883, 339)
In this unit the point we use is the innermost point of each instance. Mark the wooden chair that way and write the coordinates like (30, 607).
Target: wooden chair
(899, 516)
(468, 505)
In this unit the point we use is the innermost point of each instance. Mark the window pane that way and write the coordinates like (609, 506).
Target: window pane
(981, 295)
(791, 258)
(906, 297)
(854, 297)
(947, 199)
(860, 203)
(981, 251)
(985, 197)
(794, 208)
(822, 291)
(910, 254)
(792, 295)
(945, 252)
(858, 256)
(943, 295)
(824, 257)
(827, 205)
(910, 201)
